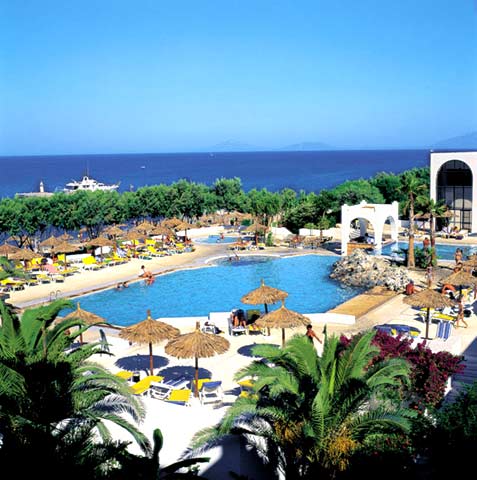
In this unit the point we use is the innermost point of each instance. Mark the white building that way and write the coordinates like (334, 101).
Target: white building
(369, 213)
(452, 176)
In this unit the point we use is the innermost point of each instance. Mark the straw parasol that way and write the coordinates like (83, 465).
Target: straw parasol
(114, 231)
(7, 249)
(23, 254)
(65, 247)
(460, 279)
(149, 331)
(51, 242)
(85, 316)
(161, 230)
(100, 242)
(183, 226)
(428, 298)
(283, 318)
(255, 227)
(134, 235)
(144, 226)
(197, 345)
(171, 222)
(264, 294)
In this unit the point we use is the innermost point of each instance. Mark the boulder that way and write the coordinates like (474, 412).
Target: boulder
(366, 271)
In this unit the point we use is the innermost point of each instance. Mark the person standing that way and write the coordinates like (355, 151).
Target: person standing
(311, 334)
(458, 256)
(460, 314)
(429, 276)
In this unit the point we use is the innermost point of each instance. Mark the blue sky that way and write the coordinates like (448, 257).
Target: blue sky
(170, 75)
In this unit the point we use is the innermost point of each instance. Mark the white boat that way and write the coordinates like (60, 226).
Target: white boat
(90, 184)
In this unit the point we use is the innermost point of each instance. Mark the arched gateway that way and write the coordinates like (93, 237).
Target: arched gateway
(376, 215)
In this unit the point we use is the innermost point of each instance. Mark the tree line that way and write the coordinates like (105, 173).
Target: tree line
(26, 218)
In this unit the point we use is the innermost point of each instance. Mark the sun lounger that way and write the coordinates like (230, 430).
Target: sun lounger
(161, 390)
(211, 392)
(144, 384)
(444, 330)
(179, 397)
(246, 387)
(443, 317)
(124, 374)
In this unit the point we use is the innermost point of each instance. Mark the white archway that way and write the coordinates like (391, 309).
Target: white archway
(376, 214)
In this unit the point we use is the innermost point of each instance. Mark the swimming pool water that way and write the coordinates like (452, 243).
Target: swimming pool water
(444, 251)
(216, 239)
(219, 288)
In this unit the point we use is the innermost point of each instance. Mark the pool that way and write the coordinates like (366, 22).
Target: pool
(219, 288)
(216, 239)
(444, 251)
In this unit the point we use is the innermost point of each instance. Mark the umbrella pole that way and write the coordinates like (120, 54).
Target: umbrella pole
(81, 338)
(283, 337)
(266, 311)
(196, 386)
(427, 323)
(151, 359)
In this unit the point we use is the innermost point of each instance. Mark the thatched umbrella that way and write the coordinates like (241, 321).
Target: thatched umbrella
(428, 298)
(183, 226)
(114, 231)
(101, 242)
(144, 226)
(51, 242)
(197, 345)
(171, 222)
(460, 279)
(264, 294)
(283, 318)
(149, 331)
(23, 254)
(161, 230)
(65, 247)
(7, 249)
(256, 228)
(85, 316)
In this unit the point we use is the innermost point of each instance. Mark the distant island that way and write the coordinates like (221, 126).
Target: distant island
(462, 142)
(238, 146)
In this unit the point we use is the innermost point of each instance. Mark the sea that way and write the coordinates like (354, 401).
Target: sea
(310, 171)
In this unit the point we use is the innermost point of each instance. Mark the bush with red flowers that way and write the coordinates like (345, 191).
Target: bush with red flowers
(429, 371)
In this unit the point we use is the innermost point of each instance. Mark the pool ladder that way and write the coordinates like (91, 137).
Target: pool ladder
(54, 295)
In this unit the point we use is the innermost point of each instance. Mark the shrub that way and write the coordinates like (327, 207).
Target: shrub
(429, 371)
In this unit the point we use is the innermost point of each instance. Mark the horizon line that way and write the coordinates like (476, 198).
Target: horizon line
(354, 149)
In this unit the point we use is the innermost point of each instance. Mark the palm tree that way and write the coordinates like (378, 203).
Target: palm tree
(148, 467)
(308, 414)
(435, 210)
(50, 399)
(411, 188)
(7, 270)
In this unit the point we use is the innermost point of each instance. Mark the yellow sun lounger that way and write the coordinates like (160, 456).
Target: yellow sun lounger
(124, 374)
(144, 384)
(181, 397)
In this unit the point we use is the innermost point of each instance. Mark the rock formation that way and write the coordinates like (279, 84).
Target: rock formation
(366, 271)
